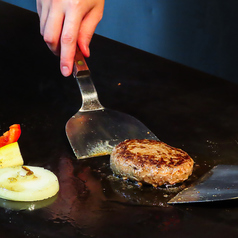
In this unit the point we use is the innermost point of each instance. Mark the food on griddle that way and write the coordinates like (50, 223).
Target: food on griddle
(27, 183)
(18, 182)
(150, 161)
(10, 136)
(10, 154)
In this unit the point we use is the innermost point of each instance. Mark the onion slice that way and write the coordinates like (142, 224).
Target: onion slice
(27, 183)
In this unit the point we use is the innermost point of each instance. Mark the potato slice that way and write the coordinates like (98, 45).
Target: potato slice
(10, 155)
(27, 183)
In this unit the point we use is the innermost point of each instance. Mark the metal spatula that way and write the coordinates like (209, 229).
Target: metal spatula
(219, 184)
(95, 130)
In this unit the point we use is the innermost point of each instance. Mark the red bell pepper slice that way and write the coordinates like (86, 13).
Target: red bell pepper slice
(10, 136)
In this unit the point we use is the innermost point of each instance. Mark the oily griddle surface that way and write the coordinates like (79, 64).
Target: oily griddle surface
(185, 108)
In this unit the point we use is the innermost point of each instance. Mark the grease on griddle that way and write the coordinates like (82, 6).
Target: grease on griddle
(127, 192)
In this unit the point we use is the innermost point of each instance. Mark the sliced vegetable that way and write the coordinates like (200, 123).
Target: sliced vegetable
(10, 155)
(10, 136)
(18, 182)
(27, 183)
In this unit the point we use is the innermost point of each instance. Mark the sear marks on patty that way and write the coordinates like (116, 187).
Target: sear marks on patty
(150, 161)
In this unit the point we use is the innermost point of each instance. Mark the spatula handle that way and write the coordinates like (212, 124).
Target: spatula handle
(80, 65)
(88, 91)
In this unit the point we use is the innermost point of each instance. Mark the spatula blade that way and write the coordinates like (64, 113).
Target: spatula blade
(220, 183)
(95, 133)
(94, 130)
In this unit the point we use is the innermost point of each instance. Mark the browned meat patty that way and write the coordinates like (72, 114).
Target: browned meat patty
(150, 161)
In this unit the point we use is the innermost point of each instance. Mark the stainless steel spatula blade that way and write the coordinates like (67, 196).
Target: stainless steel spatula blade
(220, 183)
(95, 130)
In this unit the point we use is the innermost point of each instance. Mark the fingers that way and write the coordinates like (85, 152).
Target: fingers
(73, 18)
(52, 29)
(87, 28)
(51, 21)
(38, 7)
(66, 23)
(43, 11)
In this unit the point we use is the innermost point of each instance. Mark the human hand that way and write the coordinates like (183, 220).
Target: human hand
(66, 23)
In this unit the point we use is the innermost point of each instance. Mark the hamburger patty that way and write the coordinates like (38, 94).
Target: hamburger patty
(150, 161)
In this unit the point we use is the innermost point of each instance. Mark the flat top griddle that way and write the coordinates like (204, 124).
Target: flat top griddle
(184, 107)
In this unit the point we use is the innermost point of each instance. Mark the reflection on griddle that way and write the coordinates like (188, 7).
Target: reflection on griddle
(90, 195)
(30, 206)
(131, 192)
